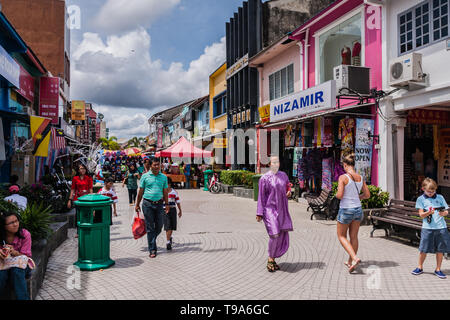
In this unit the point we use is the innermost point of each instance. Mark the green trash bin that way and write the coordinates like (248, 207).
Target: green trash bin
(206, 176)
(93, 232)
(256, 178)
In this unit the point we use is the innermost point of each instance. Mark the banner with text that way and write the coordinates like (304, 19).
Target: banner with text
(363, 148)
(49, 98)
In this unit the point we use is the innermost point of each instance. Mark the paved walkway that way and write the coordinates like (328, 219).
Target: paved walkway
(220, 252)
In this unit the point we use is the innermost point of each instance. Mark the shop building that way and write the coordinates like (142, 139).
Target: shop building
(255, 25)
(43, 26)
(314, 119)
(216, 141)
(415, 129)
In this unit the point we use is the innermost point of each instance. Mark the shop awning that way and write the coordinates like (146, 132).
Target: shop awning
(183, 149)
(337, 111)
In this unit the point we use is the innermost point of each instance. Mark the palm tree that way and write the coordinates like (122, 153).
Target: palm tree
(109, 144)
(136, 142)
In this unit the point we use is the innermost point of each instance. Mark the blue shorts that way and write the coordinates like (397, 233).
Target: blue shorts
(434, 241)
(348, 215)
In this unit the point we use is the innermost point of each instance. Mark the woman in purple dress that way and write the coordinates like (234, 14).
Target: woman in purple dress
(274, 190)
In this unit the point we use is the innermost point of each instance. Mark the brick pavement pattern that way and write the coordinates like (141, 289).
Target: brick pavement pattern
(220, 252)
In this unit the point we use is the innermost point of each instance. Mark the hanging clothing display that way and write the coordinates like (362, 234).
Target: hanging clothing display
(327, 140)
(346, 134)
(318, 132)
(327, 166)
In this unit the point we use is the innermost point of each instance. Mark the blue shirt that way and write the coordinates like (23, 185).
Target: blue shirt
(153, 185)
(425, 203)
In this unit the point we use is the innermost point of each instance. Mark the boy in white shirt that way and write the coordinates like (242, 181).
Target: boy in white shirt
(108, 191)
(170, 219)
(19, 200)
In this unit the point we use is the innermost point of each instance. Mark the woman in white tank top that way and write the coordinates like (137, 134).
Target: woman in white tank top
(350, 215)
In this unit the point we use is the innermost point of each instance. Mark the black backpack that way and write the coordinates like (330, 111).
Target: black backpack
(333, 209)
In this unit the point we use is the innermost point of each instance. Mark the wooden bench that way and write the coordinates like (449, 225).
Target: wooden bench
(319, 205)
(400, 217)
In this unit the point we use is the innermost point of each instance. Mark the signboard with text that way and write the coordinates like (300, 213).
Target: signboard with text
(49, 98)
(318, 98)
(26, 89)
(9, 68)
(78, 110)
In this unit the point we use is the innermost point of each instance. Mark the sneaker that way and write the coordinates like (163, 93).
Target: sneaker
(440, 274)
(169, 246)
(417, 271)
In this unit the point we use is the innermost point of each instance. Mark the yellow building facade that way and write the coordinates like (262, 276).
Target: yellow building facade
(217, 100)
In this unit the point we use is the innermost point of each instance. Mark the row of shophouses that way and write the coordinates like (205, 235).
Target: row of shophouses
(366, 76)
(37, 122)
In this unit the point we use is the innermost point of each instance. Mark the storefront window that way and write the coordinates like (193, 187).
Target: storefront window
(340, 45)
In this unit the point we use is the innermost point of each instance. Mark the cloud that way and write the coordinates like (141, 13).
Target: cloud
(120, 72)
(125, 122)
(117, 16)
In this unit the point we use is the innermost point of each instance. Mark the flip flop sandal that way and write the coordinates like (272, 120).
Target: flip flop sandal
(348, 265)
(354, 265)
(271, 266)
(153, 254)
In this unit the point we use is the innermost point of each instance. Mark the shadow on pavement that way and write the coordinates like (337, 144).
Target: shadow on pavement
(128, 262)
(299, 266)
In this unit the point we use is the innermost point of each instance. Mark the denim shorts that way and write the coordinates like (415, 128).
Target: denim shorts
(348, 215)
(434, 241)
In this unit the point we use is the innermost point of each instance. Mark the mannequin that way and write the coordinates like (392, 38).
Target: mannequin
(274, 190)
(356, 53)
(346, 54)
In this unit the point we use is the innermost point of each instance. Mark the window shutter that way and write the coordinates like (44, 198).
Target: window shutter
(291, 79)
(277, 85)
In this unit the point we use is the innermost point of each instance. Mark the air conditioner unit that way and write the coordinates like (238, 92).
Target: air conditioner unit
(354, 78)
(405, 70)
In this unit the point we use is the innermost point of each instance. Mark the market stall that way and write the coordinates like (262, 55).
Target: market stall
(184, 151)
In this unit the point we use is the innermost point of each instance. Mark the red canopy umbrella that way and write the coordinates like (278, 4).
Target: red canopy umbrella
(183, 149)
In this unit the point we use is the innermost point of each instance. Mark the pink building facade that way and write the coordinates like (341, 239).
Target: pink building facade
(347, 32)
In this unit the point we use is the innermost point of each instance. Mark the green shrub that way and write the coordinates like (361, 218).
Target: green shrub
(36, 219)
(378, 198)
(237, 178)
(6, 206)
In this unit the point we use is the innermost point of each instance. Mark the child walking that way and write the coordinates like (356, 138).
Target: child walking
(170, 219)
(108, 191)
(435, 237)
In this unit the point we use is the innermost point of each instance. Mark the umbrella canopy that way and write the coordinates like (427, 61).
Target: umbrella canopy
(183, 149)
(132, 151)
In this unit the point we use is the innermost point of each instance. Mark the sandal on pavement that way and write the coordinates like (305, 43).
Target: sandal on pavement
(277, 267)
(152, 254)
(355, 263)
(271, 266)
(348, 265)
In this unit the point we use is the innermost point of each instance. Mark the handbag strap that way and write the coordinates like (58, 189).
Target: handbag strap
(358, 192)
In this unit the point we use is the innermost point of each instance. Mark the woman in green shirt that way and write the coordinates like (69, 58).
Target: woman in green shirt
(131, 178)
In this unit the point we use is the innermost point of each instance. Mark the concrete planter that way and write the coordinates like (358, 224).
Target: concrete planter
(227, 188)
(68, 216)
(243, 192)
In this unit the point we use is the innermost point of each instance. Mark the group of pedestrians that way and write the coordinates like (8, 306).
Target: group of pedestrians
(272, 208)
